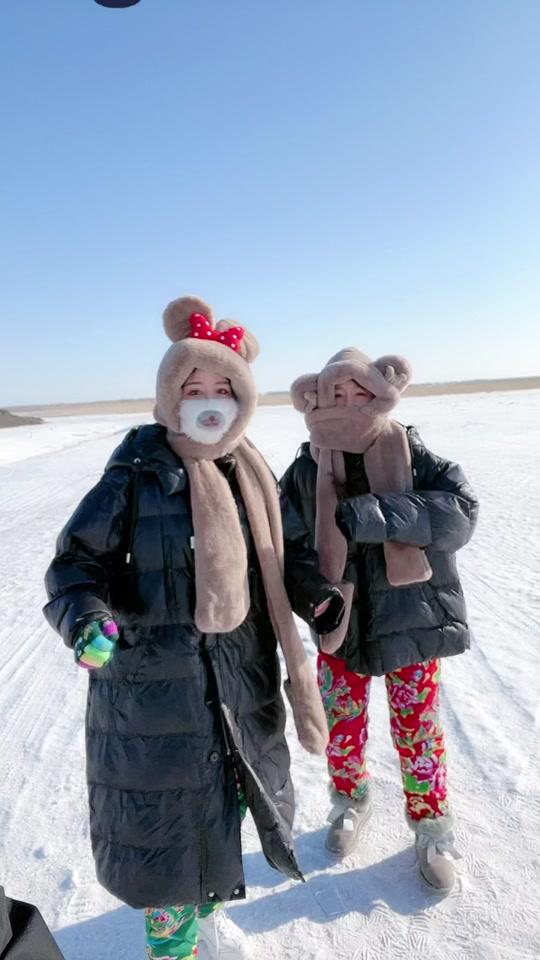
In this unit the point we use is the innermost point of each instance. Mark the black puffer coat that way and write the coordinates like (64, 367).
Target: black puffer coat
(175, 711)
(392, 627)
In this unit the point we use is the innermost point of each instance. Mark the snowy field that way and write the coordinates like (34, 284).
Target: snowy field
(373, 905)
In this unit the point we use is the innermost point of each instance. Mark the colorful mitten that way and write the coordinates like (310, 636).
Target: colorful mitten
(96, 643)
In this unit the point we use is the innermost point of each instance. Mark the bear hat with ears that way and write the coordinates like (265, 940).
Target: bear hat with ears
(314, 395)
(386, 378)
(200, 343)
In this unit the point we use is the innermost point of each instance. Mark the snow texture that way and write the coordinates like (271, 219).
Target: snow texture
(373, 906)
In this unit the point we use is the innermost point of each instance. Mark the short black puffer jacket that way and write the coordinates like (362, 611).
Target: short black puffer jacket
(392, 627)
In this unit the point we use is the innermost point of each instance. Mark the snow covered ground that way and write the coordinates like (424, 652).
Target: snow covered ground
(372, 906)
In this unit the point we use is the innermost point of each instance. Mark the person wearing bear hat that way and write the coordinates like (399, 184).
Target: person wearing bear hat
(168, 584)
(386, 516)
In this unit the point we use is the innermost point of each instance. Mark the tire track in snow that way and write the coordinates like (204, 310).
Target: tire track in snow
(42, 695)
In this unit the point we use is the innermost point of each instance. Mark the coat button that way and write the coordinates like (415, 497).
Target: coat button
(236, 892)
(211, 895)
(214, 757)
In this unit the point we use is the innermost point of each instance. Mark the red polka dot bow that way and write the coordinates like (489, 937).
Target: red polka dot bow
(203, 330)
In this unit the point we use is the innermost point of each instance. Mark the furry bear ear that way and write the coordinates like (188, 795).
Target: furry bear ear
(304, 392)
(176, 316)
(249, 345)
(396, 370)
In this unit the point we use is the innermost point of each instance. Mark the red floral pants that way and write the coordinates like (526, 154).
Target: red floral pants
(413, 700)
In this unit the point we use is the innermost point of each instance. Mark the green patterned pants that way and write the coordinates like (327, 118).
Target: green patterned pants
(173, 932)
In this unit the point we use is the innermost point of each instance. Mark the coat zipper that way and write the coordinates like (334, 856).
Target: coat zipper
(133, 507)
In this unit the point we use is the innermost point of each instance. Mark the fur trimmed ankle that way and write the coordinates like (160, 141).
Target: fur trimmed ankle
(435, 849)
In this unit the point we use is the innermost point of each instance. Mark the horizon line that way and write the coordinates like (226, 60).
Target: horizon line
(415, 389)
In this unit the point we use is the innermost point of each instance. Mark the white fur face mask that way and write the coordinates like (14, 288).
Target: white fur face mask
(207, 421)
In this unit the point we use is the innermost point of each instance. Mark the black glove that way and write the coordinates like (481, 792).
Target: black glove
(328, 612)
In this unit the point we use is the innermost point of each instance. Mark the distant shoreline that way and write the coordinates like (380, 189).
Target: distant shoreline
(273, 398)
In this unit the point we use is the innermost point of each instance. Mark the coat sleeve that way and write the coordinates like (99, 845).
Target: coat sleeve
(441, 513)
(305, 584)
(88, 547)
(24, 933)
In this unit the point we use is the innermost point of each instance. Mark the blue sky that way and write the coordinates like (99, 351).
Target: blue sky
(328, 173)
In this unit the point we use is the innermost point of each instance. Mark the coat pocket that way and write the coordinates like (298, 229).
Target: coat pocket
(436, 603)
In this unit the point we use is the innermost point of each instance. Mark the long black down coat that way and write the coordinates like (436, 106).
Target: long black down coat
(175, 712)
(393, 627)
